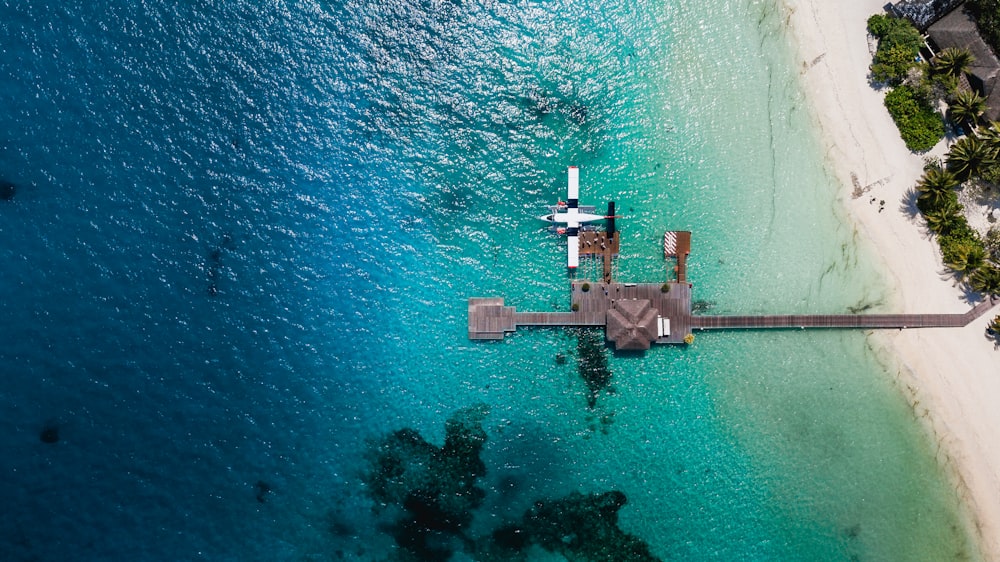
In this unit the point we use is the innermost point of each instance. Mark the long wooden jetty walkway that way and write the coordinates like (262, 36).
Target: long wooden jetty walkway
(490, 319)
(881, 321)
(636, 315)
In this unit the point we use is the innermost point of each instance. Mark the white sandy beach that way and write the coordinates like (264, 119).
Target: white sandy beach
(951, 376)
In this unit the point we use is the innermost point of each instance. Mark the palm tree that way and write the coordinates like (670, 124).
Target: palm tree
(944, 218)
(935, 185)
(966, 107)
(986, 280)
(968, 259)
(994, 325)
(968, 156)
(953, 61)
(990, 134)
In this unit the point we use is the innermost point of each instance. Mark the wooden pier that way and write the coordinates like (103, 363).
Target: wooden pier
(875, 321)
(600, 245)
(677, 245)
(490, 319)
(636, 315)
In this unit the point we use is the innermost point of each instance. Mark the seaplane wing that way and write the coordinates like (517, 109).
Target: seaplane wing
(573, 216)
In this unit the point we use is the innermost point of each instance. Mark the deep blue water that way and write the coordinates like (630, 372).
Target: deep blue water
(163, 154)
(241, 246)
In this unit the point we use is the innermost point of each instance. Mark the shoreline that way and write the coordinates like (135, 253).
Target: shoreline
(949, 375)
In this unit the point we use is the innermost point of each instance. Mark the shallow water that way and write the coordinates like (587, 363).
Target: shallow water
(244, 237)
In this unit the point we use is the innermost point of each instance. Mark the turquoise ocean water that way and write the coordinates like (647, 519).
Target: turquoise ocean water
(244, 235)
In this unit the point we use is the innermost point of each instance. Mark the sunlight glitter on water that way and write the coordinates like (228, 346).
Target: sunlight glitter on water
(238, 264)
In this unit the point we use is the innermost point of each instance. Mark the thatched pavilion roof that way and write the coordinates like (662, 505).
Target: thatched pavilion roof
(958, 29)
(924, 12)
(631, 324)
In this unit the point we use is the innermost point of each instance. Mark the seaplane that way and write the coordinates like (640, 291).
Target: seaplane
(575, 217)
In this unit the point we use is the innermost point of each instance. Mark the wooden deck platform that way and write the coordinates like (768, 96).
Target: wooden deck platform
(491, 319)
(599, 244)
(677, 245)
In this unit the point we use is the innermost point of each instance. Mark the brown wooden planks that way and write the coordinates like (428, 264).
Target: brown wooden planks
(600, 245)
(490, 319)
(885, 321)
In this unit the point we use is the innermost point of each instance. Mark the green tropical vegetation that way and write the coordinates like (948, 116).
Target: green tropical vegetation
(986, 280)
(966, 107)
(916, 88)
(972, 257)
(970, 156)
(964, 255)
(990, 134)
(994, 325)
(936, 185)
(898, 50)
(920, 126)
(952, 61)
(879, 24)
(944, 217)
(932, 87)
(993, 244)
(892, 66)
(987, 16)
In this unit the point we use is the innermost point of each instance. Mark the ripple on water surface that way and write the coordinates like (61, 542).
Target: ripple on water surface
(242, 238)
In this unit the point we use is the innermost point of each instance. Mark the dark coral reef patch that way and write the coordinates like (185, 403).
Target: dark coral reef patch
(7, 190)
(579, 527)
(435, 487)
(49, 433)
(431, 493)
(593, 364)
